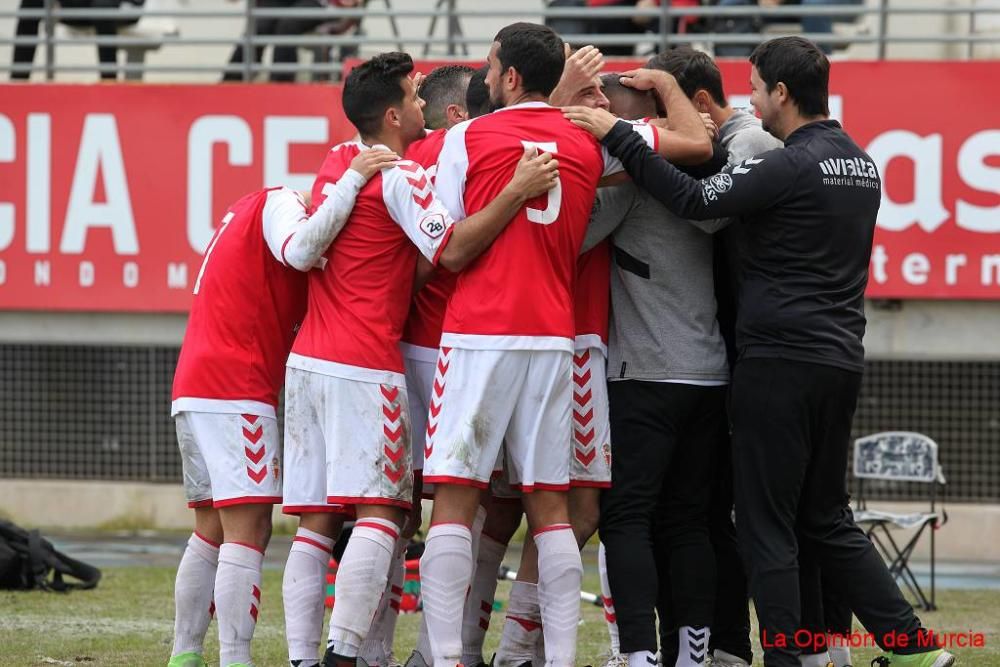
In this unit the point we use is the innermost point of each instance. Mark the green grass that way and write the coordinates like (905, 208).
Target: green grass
(127, 620)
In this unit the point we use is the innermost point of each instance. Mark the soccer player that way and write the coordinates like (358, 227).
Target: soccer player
(347, 418)
(504, 368)
(249, 298)
(443, 92)
(799, 330)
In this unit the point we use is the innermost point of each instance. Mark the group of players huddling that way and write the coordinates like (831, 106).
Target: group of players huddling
(438, 334)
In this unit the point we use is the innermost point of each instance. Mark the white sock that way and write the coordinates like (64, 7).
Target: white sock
(397, 575)
(560, 574)
(522, 627)
(361, 578)
(815, 660)
(378, 643)
(607, 600)
(445, 572)
(479, 603)
(237, 600)
(302, 590)
(840, 650)
(642, 659)
(692, 646)
(193, 592)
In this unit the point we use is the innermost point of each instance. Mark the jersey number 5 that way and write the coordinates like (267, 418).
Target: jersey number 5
(550, 213)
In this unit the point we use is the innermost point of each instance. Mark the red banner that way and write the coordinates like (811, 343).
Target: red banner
(109, 194)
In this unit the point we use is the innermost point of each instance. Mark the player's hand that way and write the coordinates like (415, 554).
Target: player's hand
(418, 80)
(647, 79)
(710, 126)
(373, 160)
(536, 173)
(578, 73)
(596, 121)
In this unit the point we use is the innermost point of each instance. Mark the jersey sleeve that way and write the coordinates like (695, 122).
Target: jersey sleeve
(414, 206)
(452, 167)
(282, 214)
(298, 241)
(750, 186)
(649, 134)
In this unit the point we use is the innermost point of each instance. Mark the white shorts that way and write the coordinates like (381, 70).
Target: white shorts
(347, 442)
(482, 399)
(591, 463)
(419, 380)
(229, 459)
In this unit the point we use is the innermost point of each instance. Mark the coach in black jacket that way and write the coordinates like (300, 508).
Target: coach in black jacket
(804, 237)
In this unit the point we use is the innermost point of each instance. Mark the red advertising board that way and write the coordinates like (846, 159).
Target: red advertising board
(109, 194)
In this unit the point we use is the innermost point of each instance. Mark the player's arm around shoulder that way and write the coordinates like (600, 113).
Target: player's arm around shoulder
(536, 174)
(299, 241)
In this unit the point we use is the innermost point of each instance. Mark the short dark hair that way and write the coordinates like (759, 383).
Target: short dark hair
(801, 66)
(536, 52)
(374, 86)
(613, 89)
(443, 87)
(477, 95)
(693, 70)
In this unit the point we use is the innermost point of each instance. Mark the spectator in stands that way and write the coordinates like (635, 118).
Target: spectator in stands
(24, 54)
(287, 54)
(812, 25)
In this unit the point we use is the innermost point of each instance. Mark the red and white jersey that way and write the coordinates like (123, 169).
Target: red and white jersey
(358, 302)
(422, 332)
(519, 293)
(593, 297)
(247, 305)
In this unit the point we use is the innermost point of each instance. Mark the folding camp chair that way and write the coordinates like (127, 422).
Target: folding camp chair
(900, 456)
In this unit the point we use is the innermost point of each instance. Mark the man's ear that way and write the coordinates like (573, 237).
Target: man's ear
(511, 79)
(392, 117)
(456, 113)
(782, 91)
(702, 100)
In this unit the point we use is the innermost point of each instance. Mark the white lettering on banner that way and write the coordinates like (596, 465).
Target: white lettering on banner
(130, 274)
(43, 273)
(86, 274)
(38, 199)
(972, 168)
(280, 132)
(990, 271)
(177, 275)
(915, 268)
(3, 272)
(926, 209)
(203, 135)
(951, 265)
(878, 261)
(99, 150)
(8, 151)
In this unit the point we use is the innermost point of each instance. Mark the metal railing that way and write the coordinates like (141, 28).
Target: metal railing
(454, 39)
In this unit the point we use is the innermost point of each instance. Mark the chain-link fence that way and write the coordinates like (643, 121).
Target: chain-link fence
(102, 413)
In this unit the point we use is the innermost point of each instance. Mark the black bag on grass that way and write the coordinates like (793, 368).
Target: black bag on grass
(27, 559)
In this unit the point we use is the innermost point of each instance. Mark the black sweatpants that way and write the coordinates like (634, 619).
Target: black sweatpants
(731, 620)
(665, 436)
(791, 422)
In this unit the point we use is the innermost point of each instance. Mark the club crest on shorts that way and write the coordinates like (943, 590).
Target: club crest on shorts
(433, 225)
(606, 450)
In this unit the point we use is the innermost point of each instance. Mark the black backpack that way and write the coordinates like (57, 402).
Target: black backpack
(27, 559)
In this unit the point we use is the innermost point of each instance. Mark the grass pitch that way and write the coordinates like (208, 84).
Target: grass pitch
(127, 620)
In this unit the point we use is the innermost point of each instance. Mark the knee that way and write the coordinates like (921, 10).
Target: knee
(585, 521)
